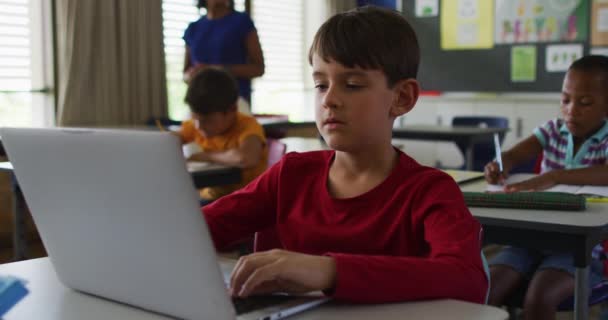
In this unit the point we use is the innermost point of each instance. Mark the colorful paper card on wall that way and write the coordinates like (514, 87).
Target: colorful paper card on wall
(523, 63)
(599, 23)
(427, 8)
(534, 21)
(466, 24)
(559, 57)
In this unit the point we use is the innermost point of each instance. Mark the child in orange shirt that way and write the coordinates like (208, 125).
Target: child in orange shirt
(224, 135)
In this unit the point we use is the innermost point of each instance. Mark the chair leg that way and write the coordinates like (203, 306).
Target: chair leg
(603, 311)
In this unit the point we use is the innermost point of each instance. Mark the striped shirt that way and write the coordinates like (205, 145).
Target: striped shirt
(558, 149)
(558, 146)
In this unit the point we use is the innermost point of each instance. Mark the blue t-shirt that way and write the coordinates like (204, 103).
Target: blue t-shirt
(221, 41)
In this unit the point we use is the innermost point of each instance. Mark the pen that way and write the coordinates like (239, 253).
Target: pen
(498, 152)
(159, 125)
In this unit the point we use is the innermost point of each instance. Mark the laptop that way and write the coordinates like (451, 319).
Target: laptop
(119, 216)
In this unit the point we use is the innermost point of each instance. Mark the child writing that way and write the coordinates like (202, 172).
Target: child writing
(575, 151)
(362, 222)
(225, 135)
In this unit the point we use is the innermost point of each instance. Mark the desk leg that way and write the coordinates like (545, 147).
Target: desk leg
(581, 293)
(469, 156)
(19, 207)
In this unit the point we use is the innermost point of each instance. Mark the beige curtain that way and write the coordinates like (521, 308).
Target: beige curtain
(111, 66)
(337, 6)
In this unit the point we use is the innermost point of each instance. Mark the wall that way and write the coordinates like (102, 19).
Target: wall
(525, 112)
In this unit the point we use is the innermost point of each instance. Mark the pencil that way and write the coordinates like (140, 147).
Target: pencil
(159, 125)
(597, 199)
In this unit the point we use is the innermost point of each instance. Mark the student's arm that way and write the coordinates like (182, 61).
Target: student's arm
(191, 69)
(522, 152)
(449, 264)
(596, 175)
(247, 155)
(237, 216)
(185, 132)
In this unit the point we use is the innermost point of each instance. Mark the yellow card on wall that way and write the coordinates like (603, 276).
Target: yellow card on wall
(467, 24)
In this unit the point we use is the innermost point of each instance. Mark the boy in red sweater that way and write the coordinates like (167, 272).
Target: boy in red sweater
(363, 222)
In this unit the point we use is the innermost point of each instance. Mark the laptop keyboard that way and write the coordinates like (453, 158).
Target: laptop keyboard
(244, 305)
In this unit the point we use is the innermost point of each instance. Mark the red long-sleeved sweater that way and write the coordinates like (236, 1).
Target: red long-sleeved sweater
(409, 238)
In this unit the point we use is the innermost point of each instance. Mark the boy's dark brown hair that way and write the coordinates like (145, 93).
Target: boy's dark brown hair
(371, 38)
(212, 90)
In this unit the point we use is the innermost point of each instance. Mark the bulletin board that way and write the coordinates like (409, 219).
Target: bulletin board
(504, 45)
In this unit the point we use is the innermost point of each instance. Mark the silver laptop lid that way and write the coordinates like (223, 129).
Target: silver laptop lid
(119, 216)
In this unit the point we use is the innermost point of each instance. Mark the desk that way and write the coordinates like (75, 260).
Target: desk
(274, 123)
(202, 176)
(51, 300)
(564, 231)
(2, 152)
(299, 144)
(466, 135)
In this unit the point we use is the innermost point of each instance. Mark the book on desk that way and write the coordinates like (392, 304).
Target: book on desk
(559, 197)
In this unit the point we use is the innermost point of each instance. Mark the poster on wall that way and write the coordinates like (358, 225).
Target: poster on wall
(559, 57)
(599, 23)
(523, 63)
(466, 24)
(534, 21)
(427, 8)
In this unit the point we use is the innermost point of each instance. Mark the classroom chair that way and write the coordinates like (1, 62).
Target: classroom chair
(268, 239)
(482, 152)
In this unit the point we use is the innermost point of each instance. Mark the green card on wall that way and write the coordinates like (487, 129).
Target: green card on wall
(523, 64)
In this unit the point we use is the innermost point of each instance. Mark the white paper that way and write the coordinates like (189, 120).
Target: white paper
(602, 20)
(594, 190)
(427, 8)
(190, 149)
(467, 9)
(600, 51)
(197, 165)
(559, 57)
(573, 189)
(468, 34)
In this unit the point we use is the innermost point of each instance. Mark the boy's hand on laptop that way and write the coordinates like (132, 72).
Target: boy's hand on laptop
(281, 271)
(540, 182)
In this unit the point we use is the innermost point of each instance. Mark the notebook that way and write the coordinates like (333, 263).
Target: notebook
(527, 200)
(598, 191)
(120, 219)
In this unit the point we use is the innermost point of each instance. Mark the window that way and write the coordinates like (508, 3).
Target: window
(25, 63)
(280, 26)
(177, 14)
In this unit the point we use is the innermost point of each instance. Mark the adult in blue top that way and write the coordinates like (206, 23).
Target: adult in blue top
(226, 39)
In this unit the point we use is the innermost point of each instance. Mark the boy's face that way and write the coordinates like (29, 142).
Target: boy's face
(215, 123)
(584, 103)
(353, 106)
